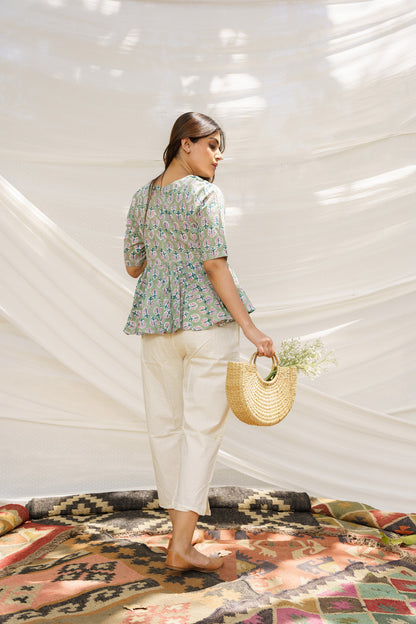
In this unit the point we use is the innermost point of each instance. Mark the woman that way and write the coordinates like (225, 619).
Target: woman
(188, 308)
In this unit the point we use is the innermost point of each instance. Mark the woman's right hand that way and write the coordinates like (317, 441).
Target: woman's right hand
(264, 344)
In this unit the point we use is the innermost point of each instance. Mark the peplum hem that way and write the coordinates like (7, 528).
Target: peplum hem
(182, 226)
(177, 296)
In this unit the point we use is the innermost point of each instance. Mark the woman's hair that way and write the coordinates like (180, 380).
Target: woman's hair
(194, 126)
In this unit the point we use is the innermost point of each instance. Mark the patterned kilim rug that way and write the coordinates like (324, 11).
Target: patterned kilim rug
(385, 594)
(138, 511)
(22, 541)
(310, 571)
(350, 511)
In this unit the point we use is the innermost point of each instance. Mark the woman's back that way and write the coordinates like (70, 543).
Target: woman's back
(182, 226)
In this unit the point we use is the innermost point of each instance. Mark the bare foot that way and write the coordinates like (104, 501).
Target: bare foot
(192, 559)
(197, 538)
(197, 558)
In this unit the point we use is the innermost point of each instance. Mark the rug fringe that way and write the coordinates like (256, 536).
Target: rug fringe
(372, 542)
(234, 527)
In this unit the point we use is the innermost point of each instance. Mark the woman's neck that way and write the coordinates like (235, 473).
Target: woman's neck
(175, 171)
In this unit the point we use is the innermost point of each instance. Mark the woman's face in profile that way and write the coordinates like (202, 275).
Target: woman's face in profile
(205, 155)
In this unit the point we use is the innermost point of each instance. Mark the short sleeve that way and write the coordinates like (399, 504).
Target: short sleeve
(211, 225)
(134, 248)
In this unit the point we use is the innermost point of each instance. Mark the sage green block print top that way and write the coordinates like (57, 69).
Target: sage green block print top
(184, 226)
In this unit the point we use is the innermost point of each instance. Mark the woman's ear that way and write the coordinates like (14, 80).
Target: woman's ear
(186, 144)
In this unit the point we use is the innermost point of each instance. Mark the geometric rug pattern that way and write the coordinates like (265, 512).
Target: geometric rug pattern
(359, 513)
(139, 512)
(29, 541)
(284, 565)
(267, 577)
(385, 594)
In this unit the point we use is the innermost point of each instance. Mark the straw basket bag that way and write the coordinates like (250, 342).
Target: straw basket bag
(257, 401)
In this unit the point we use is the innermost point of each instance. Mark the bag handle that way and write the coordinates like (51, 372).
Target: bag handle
(275, 364)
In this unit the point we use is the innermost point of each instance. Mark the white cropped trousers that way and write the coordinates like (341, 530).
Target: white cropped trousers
(184, 392)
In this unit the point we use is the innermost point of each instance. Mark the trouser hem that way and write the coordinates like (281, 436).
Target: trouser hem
(177, 507)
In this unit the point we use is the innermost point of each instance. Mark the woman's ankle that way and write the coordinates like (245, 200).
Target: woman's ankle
(180, 546)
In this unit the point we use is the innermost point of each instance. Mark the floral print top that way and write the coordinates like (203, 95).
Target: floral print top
(183, 227)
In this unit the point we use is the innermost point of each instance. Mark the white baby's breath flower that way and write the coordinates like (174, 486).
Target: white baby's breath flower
(310, 357)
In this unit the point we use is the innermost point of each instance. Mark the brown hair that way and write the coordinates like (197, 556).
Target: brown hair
(193, 126)
(190, 125)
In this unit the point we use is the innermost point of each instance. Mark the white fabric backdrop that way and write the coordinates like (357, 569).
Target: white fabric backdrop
(318, 103)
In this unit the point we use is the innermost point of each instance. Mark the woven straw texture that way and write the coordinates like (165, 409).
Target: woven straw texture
(256, 401)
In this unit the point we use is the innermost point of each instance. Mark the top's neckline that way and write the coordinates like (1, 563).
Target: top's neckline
(190, 175)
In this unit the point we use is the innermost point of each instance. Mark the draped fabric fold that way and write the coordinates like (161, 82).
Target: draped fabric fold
(319, 177)
(65, 299)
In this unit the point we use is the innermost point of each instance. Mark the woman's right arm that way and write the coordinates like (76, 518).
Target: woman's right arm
(135, 271)
(134, 248)
(220, 277)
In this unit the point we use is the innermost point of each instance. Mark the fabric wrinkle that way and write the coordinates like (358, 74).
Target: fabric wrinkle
(186, 409)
